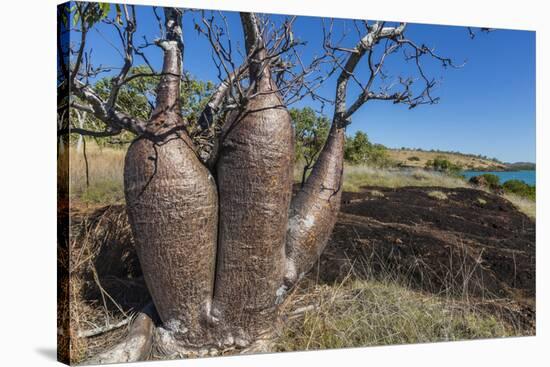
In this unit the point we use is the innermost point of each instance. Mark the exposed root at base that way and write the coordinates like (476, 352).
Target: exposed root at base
(147, 341)
(136, 346)
(166, 346)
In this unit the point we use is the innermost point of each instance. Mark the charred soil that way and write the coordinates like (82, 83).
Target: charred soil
(461, 242)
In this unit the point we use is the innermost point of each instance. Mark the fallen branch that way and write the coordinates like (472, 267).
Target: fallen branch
(301, 310)
(103, 329)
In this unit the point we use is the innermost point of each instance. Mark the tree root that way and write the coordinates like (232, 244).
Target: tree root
(167, 346)
(136, 346)
(147, 339)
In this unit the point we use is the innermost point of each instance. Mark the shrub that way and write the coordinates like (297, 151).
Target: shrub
(520, 188)
(413, 158)
(442, 164)
(492, 179)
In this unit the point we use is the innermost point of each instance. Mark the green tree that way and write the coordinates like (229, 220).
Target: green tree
(311, 131)
(359, 150)
(137, 98)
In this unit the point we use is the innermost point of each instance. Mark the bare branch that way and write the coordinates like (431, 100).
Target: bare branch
(85, 132)
(83, 33)
(128, 45)
(216, 102)
(111, 117)
(375, 34)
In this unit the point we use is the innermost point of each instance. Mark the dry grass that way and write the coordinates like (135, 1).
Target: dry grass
(105, 173)
(438, 195)
(467, 162)
(359, 313)
(366, 308)
(385, 306)
(378, 309)
(356, 177)
(524, 205)
(481, 201)
(106, 283)
(106, 165)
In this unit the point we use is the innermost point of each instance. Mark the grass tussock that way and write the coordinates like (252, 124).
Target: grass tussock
(438, 195)
(481, 201)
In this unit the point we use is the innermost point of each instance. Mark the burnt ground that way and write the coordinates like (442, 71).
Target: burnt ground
(467, 245)
(471, 244)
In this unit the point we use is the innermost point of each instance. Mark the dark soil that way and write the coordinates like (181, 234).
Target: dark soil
(471, 245)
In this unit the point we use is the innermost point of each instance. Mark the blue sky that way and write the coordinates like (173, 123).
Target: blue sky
(486, 107)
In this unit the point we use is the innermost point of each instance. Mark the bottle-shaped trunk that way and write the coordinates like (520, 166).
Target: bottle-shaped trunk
(255, 183)
(172, 207)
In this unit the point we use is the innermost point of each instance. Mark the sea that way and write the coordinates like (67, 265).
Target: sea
(529, 177)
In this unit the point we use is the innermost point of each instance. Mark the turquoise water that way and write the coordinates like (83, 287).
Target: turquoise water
(528, 176)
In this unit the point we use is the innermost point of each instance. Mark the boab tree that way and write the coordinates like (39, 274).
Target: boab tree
(220, 239)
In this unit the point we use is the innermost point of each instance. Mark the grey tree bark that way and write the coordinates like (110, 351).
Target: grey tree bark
(254, 175)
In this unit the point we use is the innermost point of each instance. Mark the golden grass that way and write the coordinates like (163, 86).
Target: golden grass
(526, 206)
(438, 195)
(382, 307)
(106, 165)
(466, 162)
(358, 313)
(105, 173)
(366, 308)
(356, 177)
(379, 310)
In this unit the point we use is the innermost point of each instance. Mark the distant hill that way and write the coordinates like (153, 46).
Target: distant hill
(418, 158)
(521, 166)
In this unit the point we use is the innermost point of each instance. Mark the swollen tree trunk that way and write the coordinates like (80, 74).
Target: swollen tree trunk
(172, 206)
(255, 184)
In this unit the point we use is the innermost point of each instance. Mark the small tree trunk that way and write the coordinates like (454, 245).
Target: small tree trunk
(304, 174)
(315, 207)
(81, 116)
